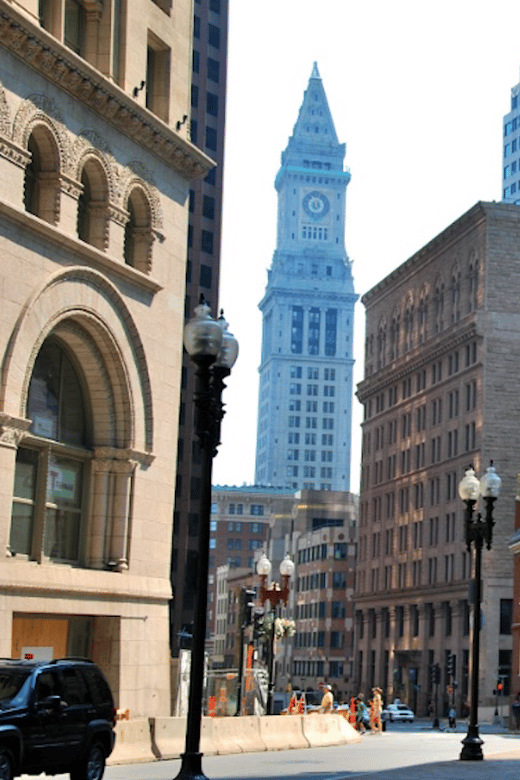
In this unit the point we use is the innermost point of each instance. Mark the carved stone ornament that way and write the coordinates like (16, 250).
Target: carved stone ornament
(21, 37)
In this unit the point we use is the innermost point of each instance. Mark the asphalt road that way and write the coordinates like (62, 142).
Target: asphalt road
(403, 752)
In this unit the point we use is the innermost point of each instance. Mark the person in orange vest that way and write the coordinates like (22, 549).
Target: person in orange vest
(352, 715)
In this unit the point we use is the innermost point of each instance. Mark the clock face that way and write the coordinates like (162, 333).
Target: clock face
(316, 204)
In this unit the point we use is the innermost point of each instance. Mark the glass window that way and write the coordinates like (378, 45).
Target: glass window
(49, 521)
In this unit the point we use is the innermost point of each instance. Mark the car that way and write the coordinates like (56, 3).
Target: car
(395, 712)
(55, 716)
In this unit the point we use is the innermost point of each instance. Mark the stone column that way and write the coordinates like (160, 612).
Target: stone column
(100, 513)
(123, 472)
(68, 214)
(117, 219)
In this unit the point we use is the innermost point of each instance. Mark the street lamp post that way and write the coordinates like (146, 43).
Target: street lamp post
(274, 593)
(214, 351)
(478, 530)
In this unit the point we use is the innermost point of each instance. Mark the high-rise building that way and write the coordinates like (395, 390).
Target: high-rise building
(96, 166)
(305, 395)
(206, 123)
(442, 349)
(511, 150)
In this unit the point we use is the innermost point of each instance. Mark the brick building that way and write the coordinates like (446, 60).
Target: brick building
(241, 523)
(94, 188)
(322, 544)
(439, 392)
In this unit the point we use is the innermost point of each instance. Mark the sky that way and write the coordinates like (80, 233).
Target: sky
(417, 91)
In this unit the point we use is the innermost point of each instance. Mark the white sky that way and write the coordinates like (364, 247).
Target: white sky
(417, 90)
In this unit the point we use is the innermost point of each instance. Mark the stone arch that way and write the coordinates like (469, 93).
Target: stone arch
(93, 201)
(85, 311)
(141, 177)
(41, 110)
(138, 230)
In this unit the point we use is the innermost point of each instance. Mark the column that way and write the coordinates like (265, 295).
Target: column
(123, 472)
(100, 513)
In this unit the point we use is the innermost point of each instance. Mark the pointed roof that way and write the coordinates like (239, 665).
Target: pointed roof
(315, 123)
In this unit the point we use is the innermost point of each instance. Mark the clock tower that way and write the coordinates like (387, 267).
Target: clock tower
(305, 396)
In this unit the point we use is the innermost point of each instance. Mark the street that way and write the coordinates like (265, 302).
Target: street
(414, 746)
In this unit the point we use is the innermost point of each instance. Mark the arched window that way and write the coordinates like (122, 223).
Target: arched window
(439, 306)
(473, 285)
(423, 316)
(93, 205)
(41, 176)
(455, 296)
(49, 480)
(408, 325)
(138, 232)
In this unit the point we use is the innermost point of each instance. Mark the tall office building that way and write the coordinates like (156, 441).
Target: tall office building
(206, 123)
(439, 393)
(305, 396)
(511, 150)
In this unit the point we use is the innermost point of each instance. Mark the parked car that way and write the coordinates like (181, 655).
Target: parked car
(55, 716)
(398, 712)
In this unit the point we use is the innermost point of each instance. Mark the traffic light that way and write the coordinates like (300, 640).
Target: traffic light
(248, 605)
(435, 674)
(451, 666)
(500, 686)
(258, 624)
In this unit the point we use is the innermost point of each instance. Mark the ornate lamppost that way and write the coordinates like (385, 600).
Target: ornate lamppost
(274, 594)
(214, 351)
(478, 530)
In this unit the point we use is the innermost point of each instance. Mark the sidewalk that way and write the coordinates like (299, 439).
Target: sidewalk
(494, 766)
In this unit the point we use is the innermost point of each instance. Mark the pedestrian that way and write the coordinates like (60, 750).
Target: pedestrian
(376, 709)
(361, 714)
(327, 702)
(452, 718)
(431, 709)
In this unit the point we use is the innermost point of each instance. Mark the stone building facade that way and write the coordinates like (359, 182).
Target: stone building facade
(93, 230)
(439, 393)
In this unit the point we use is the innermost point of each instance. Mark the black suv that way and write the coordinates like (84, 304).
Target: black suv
(55, 716)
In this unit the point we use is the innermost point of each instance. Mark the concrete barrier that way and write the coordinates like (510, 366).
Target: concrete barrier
(241, 734)
(168, 737)
(143, 740)
(283, 733)
(133, 742)
(322, 730)
(209, 738)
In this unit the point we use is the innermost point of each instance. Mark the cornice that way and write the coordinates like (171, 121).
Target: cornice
(425, 354)
(69, 72)
(474, 215)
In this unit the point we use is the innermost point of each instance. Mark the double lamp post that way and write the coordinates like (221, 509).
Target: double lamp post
(274, 593)
(478, 530)
(214, 351)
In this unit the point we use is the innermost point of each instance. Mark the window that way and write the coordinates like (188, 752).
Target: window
(75, 23)
(158, 77)
(213, 70)
(41, 176)
(51, 523)
(137, 249)
(214, 36)
(211, 139)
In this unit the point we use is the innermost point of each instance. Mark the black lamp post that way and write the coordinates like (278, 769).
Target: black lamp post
(274, 593)
(214, 352)
(478, 530)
